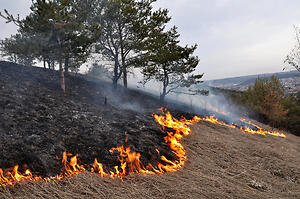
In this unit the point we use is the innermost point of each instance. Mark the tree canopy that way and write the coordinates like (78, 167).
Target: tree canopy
(126, 33)
(166, 61)
(57, 31)
(125, 24)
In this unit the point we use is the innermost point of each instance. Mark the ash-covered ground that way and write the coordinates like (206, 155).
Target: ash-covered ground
(38, 122)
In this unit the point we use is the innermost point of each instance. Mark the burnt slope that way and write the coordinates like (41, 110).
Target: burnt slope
(39, 122)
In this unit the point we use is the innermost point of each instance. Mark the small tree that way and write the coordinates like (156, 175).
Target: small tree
(166, 61)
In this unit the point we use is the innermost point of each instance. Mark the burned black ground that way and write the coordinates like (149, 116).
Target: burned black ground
(38, 122)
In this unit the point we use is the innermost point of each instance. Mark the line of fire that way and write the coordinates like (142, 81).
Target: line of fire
(129, 161)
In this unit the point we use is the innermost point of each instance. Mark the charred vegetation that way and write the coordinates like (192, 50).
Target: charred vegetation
(39, 122)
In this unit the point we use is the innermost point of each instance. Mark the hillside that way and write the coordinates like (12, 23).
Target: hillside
(38, 123)
(290, 80)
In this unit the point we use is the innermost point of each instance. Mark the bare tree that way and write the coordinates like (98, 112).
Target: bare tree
(293, 59)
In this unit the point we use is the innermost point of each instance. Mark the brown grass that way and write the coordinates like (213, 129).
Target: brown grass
(222, 163)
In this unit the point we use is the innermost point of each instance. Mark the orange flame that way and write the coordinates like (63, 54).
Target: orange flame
(260, 130)
(213, 120)
(129, 162)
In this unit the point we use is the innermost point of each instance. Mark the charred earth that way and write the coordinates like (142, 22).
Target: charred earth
(39, 122)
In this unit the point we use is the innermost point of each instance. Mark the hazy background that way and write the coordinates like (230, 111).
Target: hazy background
(234, 37)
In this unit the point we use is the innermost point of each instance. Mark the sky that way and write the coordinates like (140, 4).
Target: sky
(234, 37)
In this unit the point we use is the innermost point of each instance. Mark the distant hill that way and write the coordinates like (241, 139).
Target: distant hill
(290, 80)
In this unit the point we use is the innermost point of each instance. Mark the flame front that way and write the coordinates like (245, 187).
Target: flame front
(129, 161)
(260, 130)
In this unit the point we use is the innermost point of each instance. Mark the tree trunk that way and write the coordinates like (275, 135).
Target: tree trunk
(44, 62)
(124, 69)
(124, 76)
(164, 93)
(53, 64)
(115, 84)
(116, 74)
(67, 65)
(162, 97)
(165, 85)
(62, 76)
(49, 64)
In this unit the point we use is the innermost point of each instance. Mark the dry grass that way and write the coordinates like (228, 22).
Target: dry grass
(222, 163)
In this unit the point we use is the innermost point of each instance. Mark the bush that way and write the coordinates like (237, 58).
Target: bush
(267, 102)
(266, 97)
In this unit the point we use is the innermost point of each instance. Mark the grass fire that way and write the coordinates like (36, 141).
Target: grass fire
(130, 161)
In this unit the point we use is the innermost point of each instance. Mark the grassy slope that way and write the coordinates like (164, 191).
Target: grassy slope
(222, 163)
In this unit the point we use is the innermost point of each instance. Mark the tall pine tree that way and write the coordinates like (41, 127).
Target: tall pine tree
(125, 24)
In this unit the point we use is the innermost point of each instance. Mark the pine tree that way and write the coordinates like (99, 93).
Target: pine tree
(124, 26)
(58, 32)
(168, 62)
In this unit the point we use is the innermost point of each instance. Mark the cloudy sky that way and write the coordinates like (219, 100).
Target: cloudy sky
(234, 37)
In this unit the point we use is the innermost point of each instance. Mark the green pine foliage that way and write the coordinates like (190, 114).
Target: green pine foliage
(125, 25)
(55, 30)
(267, 102)
(18, 49)
(166, 61)
(99, 71)
(125, 33)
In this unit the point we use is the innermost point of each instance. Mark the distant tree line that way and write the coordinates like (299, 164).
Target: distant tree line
(124, 33)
